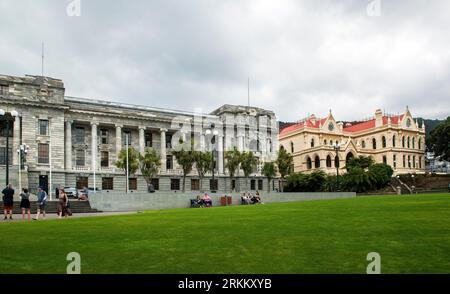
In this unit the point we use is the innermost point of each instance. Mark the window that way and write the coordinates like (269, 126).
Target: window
(384, 159)
(132, 183)
(252, 185)
(104, 136)
(4, 90)
(79, 135)
(107, 184)
(43, 127)
(420, 162)
(374, 143)
(126, 134)
(403, 141)
(169, 162)
(328, 161)
(260, 184)
(43, 153)
(195, 184)
(155, 183)
(383, 141)
(409, 161)
(292, 147)
(174, 184)
(80, 157)
(413, 143)
(419, 145)
(104, 159)
(363, 144)
(394, 159)
(404, 161)
(148, 139)
(308, 163)
(81, 182)
(312, 142)
(317, 162)
(3, 129)
(336, 161)
(325, 142)
(409, 142)
(213, 184)
(169, 141)
(3, 156)
(393, 140)
(414, 161)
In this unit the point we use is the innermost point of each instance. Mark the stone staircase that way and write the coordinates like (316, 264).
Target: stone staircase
(395, 182)
(52, 207)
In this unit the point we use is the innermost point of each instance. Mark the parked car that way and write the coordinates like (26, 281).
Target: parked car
(71, 192)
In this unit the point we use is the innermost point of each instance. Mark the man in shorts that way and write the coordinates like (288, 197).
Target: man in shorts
(8, 201)
(42, 201)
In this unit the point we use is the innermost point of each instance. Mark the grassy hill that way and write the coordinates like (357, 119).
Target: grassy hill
(411, 233)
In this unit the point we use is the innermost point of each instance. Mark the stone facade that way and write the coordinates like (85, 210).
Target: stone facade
(72, 141)
(397, 140)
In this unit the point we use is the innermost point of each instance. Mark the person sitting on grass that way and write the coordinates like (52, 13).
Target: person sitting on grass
(207, 201)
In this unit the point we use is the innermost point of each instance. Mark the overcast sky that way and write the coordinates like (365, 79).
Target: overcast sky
(301, 56)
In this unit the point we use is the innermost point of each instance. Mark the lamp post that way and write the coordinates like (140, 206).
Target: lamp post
(214, 133)
(8, 117)
(336, 148)
(127, 172)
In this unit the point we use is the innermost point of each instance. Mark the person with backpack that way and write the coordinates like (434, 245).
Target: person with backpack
(8, 201)
(42, 201)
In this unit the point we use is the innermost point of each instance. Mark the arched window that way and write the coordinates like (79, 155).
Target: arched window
(383, 141)
(325, 142)
(384, 159)
(394, 160)
(363, 144)
(394, 138)
(312, 142)
(328, 161)
(404, 161)
(374, 143)
(414, 161)
(414, 143)
(409, 161)
(419, 145)
(308, 163)
(409, 140)
(403, 141)
(420, 162)
(348, 157)
(317, 162)
(292, 147)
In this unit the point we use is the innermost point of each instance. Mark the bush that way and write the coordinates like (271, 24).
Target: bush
(301, 182)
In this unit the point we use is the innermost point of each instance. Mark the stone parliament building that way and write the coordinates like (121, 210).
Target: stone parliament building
(70, 141)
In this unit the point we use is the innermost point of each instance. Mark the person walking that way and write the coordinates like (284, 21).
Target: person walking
(63, 204)
(42, 201)
(8, 201)
(25, 203)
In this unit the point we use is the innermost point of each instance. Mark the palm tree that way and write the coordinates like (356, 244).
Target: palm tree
(149, 164)
(248, 164)
(233, 160)
(270, 171)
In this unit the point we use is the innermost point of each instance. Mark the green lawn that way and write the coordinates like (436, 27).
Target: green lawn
(411, 233)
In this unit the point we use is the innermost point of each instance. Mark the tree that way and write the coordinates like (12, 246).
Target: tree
(204, 163)
(133, 161)
(232, 162)
(149, 164)
(439, 141)
(269, 170)
(285, 164)
(362, 161)
(248, 164)
(185, 158)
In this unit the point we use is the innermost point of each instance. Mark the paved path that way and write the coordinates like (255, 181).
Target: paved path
(50, 216)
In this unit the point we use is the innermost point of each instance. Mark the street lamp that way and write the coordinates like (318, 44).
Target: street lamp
(8, 117)
(336, 147)
(212, 131)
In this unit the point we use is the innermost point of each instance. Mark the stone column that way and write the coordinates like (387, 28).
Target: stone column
(220, 155)
(240, 143)
(142, 139)
(118, 140)
(68, 145)
(202, 142)
(163, 149)
(15, 141)
(94, 146)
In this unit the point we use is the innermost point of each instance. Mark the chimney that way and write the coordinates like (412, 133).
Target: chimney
(378, 118)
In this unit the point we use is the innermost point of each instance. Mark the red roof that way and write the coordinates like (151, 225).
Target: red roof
(357, 127)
